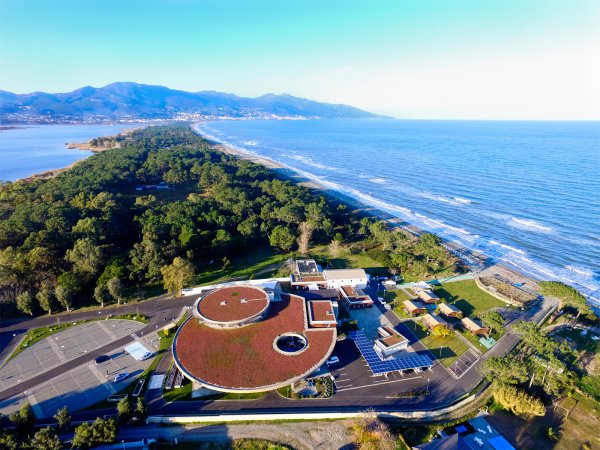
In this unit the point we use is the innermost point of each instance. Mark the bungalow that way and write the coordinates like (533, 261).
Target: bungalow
(432, 321)
(414, 308)
(355, 298)
(475, 326)
(390, 342)
(427, 296)
(450, 310)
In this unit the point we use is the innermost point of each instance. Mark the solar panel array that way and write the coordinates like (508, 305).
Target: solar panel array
(378, 366)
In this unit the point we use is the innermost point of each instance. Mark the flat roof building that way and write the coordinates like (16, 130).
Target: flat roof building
(390, 342)
(355, 298)
(307, 273)
(337, 278)
(321, 314)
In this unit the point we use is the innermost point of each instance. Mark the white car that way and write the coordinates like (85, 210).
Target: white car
(333, 360)
(147, 355)
(120, 377)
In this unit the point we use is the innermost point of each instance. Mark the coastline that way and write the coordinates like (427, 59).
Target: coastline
(476, 262)
(80, 146)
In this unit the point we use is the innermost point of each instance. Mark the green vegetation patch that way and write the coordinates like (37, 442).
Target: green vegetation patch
(345, 259)
(466, 296)
(397, 297)
(446, 349)
(137, 317)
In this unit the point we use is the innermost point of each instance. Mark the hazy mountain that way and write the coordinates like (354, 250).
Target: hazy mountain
(124, 101)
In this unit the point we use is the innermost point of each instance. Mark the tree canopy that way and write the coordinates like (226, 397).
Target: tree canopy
(96, 222)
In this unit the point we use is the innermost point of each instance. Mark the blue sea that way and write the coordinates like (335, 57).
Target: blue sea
(525, 193)
(25, 151)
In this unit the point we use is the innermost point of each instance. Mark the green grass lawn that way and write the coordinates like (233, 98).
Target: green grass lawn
(446, 349)
(347, 260)
(184, 393)
(397, 297)
(466, 296)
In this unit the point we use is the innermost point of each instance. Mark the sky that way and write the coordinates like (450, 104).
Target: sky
(418, 59)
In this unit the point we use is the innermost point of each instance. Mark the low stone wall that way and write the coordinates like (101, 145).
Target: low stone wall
(471, 402)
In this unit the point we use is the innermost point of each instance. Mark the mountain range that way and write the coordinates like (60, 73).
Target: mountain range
(126, 101)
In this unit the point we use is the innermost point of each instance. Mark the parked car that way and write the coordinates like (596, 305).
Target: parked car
(121, 376)
(333, 360)
(101, 359)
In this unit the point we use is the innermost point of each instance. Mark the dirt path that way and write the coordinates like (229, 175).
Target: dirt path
(330, 435)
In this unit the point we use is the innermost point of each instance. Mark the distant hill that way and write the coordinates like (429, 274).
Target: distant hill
(132, 101)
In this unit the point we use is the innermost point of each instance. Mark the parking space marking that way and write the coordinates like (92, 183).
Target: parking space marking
(385, 382)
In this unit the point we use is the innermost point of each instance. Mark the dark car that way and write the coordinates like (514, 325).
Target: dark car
(101, 359)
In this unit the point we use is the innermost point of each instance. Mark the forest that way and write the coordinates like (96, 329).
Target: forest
(167, 201)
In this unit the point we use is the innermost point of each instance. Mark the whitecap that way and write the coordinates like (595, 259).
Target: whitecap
(508, 247)
(378, 180)
(465, 201)
(580, 270)
(529, 224)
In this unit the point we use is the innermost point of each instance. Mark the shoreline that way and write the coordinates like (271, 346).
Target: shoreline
(476, 262)
(80, 146)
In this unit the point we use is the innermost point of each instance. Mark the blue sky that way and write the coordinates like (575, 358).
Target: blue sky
(408, 58)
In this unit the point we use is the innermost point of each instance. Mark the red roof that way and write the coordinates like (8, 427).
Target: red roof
(322, 311)
(232, 304)
(244, 358)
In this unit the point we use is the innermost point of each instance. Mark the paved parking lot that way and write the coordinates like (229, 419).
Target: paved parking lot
(84, 385)
(353, 377)
(369, 319)
(458, 368)
(62, 347)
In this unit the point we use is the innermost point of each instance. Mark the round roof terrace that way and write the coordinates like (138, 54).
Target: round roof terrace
(232, 306)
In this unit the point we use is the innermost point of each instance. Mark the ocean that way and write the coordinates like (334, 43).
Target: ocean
(526, 194)
(25, 151)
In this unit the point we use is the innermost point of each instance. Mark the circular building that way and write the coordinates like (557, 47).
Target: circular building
(240, 340)
(232, 307)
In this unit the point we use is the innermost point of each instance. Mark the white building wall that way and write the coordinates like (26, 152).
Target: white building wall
(357, 283)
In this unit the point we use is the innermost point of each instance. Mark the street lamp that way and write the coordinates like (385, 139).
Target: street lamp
(427, 391)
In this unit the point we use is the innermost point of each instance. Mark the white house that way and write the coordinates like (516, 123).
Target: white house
(357, 278)
(390, 342)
